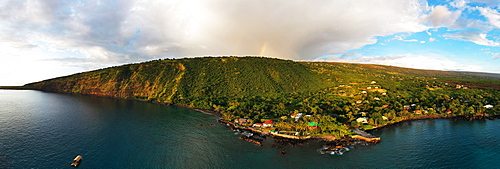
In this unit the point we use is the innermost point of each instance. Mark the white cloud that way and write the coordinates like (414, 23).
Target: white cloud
(411, 40)
(492, 15)
(496, 56)
(440, 16)
(400, 37)
(489, 2)
(459, 3)
(94, 34)
(473, 36)
(435, 62)
(18, 67)
(350, 55)
(150, 29)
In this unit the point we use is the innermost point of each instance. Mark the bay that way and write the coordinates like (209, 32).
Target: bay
(47, 130)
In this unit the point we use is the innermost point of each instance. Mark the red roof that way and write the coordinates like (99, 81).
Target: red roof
(269, 122)
(258, 124)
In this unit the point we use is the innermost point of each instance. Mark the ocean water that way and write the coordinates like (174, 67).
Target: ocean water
(47, 130)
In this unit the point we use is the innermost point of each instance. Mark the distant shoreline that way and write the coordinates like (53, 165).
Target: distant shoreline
(16, 88)
(438, 116)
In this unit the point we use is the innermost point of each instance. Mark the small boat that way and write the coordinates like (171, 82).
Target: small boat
(77, 160)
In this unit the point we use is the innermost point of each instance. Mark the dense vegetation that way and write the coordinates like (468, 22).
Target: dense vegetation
(333, 95)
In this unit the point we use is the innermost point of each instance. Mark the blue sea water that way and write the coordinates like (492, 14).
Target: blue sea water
(47, 130)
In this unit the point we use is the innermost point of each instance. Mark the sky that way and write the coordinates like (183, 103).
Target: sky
(51, 38)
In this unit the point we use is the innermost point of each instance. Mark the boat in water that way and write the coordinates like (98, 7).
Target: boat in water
(77, 160)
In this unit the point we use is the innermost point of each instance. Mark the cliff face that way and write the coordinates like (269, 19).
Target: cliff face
(184, 80)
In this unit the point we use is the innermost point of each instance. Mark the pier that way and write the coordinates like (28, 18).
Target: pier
(363, 135)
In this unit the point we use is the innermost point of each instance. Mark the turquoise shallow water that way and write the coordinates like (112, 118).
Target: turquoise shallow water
(47, 130)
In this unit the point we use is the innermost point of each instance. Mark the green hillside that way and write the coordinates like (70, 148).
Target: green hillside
(188, 81)
(335, 95)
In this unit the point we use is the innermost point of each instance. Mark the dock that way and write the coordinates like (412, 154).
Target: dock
(363, 135)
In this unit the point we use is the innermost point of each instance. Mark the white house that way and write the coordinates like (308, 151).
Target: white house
(362, 120)
(385, 118)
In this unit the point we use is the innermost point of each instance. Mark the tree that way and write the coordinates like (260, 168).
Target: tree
(471, 111)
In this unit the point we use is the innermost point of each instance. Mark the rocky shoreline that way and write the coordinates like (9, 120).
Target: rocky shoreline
(330, 144)
(331, 138)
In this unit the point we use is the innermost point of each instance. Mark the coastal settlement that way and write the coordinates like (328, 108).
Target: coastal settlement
(361, 114)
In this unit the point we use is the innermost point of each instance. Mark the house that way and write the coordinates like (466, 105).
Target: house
(312, 125)
(384, 118)
(363, 120)
(406, 107)
(385, 106)
(364, 92)
(418, 111)
(384, 93)
(242, 121)
(448, 112)
(257, 125)
(363, 114)
(376, 98)
(296, 115)
(489, 106)
(373, 82)
(268, 123)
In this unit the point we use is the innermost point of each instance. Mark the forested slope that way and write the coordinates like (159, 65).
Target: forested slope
(188, 81)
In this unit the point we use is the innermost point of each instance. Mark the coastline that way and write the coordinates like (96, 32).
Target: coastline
(357, 137)
(206, 111)
(330, 144)
(16, 88)
(298, 138)
(438, 116)
(288, 137)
